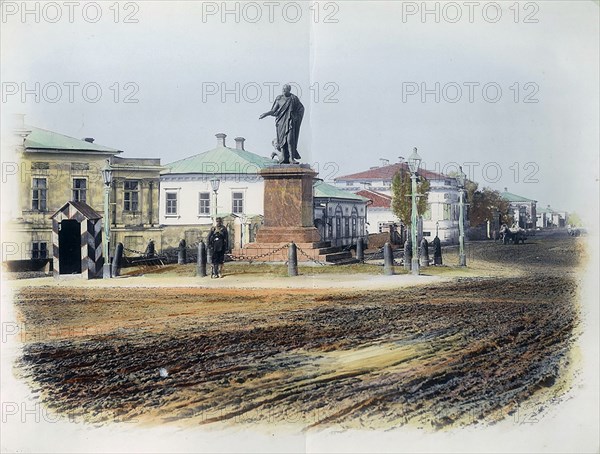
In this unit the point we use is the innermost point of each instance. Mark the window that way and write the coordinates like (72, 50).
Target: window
(338, 222)
(131, 195)
(39, 250)
(39, 194)
(204, 203)
(354, 222)
(79, 189)
(447, 215)
(427, 214)
(171, 205)
(238, 202)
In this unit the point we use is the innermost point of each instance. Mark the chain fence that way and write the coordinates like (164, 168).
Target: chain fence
(134, 257)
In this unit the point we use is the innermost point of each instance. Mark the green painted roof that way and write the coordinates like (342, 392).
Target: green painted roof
(510, 197)
(220, 160)
(49, 140)
(322, 189)
(548, 210)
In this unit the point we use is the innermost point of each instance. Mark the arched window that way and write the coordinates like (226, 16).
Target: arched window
(354, 222)
(338, 221)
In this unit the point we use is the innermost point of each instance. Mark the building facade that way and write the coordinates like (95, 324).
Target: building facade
(340, 216)
(442, 215)
(522, 209)
(189, 202)
(548, 218)
(53, 169)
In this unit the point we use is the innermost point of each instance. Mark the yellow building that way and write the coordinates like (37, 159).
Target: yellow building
(50, 169)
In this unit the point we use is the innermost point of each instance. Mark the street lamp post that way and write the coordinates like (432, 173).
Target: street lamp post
(214, 183)
(107, 178)
(461, 178)
(414, 162)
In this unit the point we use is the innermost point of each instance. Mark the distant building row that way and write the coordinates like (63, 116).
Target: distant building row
(177, 201)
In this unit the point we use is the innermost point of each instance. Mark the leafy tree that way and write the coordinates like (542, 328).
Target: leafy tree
(574, 219)
(402, 192)
(483, 203)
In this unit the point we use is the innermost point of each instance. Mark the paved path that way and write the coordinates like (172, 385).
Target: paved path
(250, 281)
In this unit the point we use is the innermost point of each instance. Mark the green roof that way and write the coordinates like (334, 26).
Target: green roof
(322, 189)
(510, 197)
(220, 160)
(548, 210)
(49, 140)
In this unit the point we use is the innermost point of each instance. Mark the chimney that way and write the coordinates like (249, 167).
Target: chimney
(239, 143)
(89, 139)
(505, 189)
(220, 139)
(384, 162)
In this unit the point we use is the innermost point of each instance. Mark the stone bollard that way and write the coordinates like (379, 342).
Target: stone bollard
(181, 255)
(407, 254)
(424, 253)
(117, 260)
(201, 262)
(388, 260)
(437, 251)
(360, 253)
(292, 260)
(150, 250)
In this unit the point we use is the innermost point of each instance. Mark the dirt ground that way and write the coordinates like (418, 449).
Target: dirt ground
(471, 349)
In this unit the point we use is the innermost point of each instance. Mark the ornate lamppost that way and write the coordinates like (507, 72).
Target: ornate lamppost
(461, 178)
(107, 178)
(214, 184)
(414, 162)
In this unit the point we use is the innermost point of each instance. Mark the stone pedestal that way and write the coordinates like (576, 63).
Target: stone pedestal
(288, 211)
(288, 205)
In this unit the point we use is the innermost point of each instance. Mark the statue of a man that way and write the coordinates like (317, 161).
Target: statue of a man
(288, 112)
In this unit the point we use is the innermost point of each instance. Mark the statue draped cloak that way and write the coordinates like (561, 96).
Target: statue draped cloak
(288, 111)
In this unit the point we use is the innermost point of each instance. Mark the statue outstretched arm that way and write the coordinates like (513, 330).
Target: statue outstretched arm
(274, 109)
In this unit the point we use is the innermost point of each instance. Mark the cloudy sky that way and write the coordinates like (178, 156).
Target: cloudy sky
(510, 92)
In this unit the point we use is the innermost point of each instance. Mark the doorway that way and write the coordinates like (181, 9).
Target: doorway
(69, 246)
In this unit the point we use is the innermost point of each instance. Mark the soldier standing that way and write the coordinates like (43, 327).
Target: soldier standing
(218, 243)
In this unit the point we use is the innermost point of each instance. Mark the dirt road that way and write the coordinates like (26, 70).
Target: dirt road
(473, 350)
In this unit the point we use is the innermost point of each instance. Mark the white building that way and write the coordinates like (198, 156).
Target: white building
(442, 214)
(188, 203)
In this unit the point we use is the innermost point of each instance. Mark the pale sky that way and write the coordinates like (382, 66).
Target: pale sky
(370, 57)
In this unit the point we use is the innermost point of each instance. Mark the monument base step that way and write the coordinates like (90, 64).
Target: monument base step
(278, 252)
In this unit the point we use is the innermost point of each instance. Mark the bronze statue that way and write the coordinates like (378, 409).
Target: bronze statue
(288, 112)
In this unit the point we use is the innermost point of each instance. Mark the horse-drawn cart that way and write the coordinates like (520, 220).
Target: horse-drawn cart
(513, 235)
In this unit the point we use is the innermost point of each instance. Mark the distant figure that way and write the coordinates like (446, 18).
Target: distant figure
(437, 251)
(218, 244)
(394, 237)
(288, 112)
